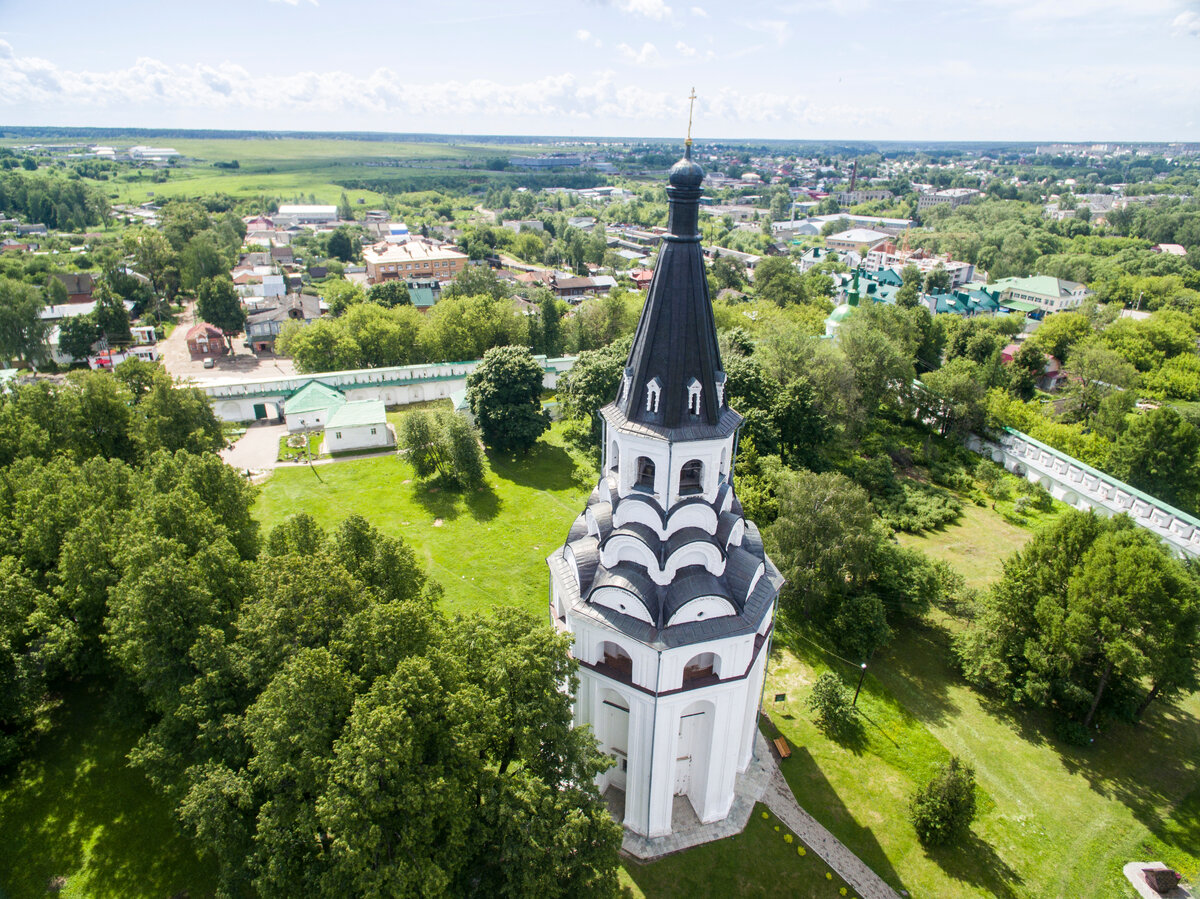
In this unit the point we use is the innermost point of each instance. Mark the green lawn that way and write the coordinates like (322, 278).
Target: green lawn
(1053, 820)
(757, 862)
(75, 811)
(976, 545)
(486, 548)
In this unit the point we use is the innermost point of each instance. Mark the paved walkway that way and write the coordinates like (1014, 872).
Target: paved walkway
(779, 799)
(257, 449)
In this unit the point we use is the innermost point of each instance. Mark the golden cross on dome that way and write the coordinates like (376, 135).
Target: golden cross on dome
(691, 106)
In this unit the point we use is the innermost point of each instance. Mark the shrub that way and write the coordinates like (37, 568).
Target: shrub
(830, 701)
(944, 808)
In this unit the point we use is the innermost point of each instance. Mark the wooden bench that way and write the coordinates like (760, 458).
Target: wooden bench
(781, 746)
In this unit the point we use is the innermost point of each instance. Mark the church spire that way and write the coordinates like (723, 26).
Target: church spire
(673, 377)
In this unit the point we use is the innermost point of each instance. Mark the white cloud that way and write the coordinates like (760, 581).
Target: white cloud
(1186, 24)
(685, 49)
(777, 29)
(1065, 10)
(651, 9)
(648, 55)
(293, 2)
(583, 34)
(153, 93)
(699, 11)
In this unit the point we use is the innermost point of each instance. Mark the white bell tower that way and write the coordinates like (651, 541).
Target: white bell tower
(662, 583)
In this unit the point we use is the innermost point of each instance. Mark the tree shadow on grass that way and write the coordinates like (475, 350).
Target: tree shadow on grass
(545, 466)
(75, 810)
(1150, 768)
(972, 860)
(438, 499)
(483, 502)
(916, 669)
(816, 795)
(1181, 829)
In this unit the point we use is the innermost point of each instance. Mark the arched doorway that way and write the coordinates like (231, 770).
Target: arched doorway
(693, 750)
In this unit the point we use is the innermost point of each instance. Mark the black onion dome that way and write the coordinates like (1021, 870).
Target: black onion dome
(687, 174)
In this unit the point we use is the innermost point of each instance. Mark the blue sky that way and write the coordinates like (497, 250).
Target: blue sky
(804, 69)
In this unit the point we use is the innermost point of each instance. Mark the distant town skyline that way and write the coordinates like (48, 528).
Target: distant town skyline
(1018, 70)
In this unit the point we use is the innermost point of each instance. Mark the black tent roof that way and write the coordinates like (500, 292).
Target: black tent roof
(676, 338)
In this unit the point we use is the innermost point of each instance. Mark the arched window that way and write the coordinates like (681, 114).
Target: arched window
(691, 478)
(614, 457)
(693, 398)
(616, 660)
(700, 668)
(653, 392)
(645, 474)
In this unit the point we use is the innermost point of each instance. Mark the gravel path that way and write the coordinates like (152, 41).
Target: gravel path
(779, 799)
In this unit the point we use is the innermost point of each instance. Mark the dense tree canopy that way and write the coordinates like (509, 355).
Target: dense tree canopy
(1087, 615)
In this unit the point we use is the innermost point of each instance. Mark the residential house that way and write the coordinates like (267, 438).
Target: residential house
(264, 324)
(1043, 293)
(856, 239)
(282, 255)
(642, 278)
(952, 197)
(854, 197)
(1052, 374)
(747, 259)
(204, 339)
(518, 225)
(79, 285)
(305, 215)
(887, 255)
(425, 293)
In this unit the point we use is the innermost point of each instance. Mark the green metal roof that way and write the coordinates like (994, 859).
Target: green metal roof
(313, 397)
(1042, 285)
(1020, 305)
(421, 297)
(357, 414)
(458, 399)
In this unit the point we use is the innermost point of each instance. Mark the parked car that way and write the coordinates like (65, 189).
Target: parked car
(210, 362)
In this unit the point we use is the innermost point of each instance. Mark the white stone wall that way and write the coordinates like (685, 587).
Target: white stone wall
(1080, 486)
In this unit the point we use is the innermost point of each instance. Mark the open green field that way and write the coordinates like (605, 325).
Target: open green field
(1053, 820)
(75, 811)
(292, 167)
(486, 548)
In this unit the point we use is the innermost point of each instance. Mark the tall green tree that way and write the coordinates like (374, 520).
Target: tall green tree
(218, 304)
(505, 394)
(1160, 453)
(22, 329)
(389, 294)
(824, 540)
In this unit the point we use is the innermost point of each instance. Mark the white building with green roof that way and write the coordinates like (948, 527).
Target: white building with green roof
(311, 406)
(359, 425)
(1048, 294)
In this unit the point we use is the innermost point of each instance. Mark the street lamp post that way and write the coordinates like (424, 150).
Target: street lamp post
(861, 674)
